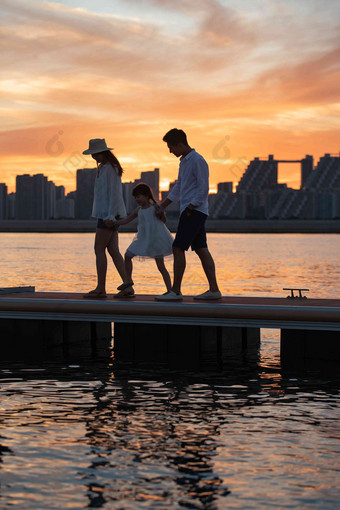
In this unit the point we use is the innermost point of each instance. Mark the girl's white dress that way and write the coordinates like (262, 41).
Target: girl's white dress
(153, 239)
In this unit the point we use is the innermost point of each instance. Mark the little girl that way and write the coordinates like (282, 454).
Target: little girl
(153, 239)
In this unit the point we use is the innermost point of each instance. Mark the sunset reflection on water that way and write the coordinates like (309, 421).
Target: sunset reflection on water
(74, 436)
(247, 264)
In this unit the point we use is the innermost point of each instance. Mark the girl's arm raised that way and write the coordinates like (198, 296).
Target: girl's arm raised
(128, 219)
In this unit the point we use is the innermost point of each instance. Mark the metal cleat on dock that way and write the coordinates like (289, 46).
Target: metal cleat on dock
(292, 296)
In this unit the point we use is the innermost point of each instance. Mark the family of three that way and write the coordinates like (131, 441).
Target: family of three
(153, 239)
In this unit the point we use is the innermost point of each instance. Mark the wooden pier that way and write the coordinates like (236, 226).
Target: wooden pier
(175, 332)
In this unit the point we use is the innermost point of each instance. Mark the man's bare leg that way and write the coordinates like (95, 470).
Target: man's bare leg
(179, 268)
(208, 265)
(164, 272)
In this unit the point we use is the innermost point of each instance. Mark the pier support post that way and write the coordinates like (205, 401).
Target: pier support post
(299, 347)
(178, 346)
(34, 339)
(30, 339)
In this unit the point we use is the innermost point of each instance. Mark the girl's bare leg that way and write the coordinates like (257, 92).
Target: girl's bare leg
(113, 249)
(164, 272)
(128, 269)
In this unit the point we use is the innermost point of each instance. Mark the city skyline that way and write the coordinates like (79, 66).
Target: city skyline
(242, 81)
(258, 193)
(239, 168)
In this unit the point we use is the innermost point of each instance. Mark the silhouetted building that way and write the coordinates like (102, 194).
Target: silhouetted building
(130, 203)
(65, 208)
(40, 197)
(3, 201)
(306, 169)
(84, 196)
(226, 187)
(258, 194)
(326, 174)
(59, 192)
(260, 174)
(11, 206)
(35, 197)
(50, 206)
(24, 199)
(73, 195)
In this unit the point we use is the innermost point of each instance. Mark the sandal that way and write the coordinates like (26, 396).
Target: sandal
(125, 286)
(130, 293)
(95, 294)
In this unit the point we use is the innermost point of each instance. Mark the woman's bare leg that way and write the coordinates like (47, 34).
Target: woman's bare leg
(164, 272)
(101, 241)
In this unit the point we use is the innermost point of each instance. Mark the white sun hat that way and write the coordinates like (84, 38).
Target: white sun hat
(97, 145)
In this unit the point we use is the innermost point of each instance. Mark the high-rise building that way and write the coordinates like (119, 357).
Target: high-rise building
(260, 174)
(64, 208)
(326, 174)
(130, 203)
(226, 187)
(72, 194)
(306, 169)
(35, 197)
(59, 192)
(24, 198)
(84, 196)
(40, 193)
(3, 201)
(11, 206)
(50, 207)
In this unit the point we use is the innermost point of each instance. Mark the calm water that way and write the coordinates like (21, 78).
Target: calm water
(88, 433)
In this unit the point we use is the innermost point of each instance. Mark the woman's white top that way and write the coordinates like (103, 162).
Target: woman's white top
(153, 239)
(108, 202)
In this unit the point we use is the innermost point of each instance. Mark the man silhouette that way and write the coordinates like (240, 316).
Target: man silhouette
(192, 190)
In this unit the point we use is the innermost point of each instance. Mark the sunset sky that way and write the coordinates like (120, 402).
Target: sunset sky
(243, 78)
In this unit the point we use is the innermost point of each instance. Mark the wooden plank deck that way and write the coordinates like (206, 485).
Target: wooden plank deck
(263, 312)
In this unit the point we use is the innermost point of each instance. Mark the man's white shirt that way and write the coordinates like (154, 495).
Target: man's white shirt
(192, 185)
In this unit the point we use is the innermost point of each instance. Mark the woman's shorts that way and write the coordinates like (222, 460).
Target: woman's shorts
(191, 230)
(101, 224)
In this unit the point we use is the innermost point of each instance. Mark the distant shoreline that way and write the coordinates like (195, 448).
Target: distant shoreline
(213, 226)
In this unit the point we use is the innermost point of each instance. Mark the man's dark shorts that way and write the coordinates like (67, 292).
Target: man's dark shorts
(191, 230)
